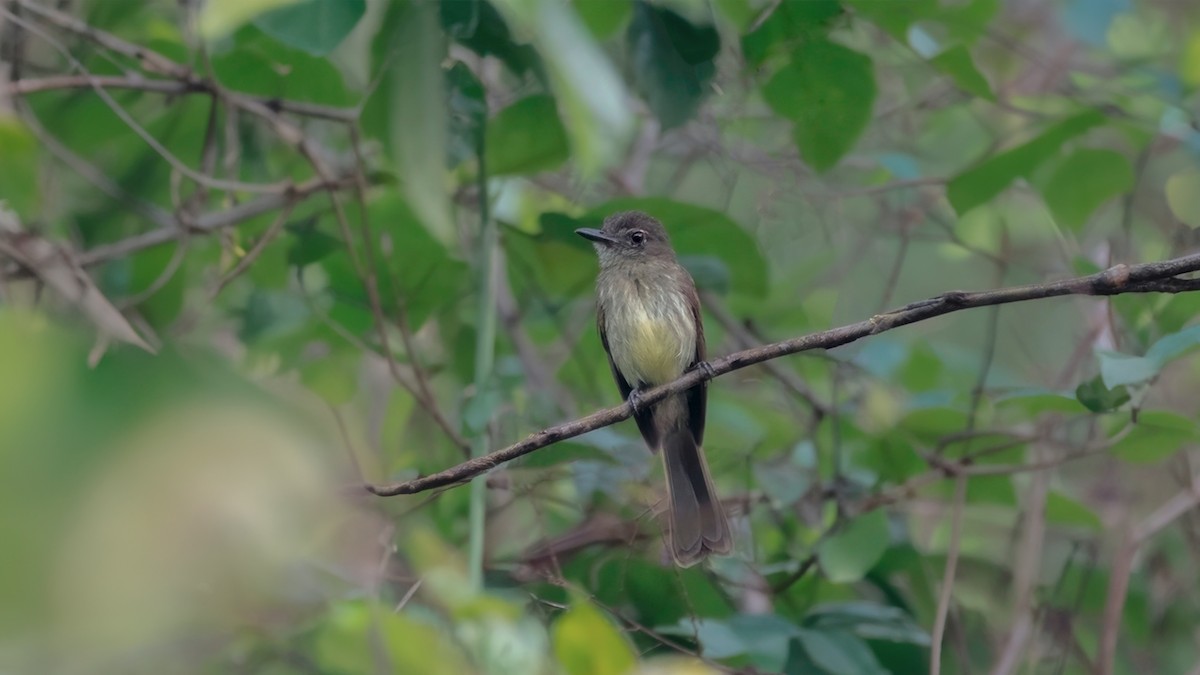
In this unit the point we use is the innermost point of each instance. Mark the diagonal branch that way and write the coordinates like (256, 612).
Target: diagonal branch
(1153, 277)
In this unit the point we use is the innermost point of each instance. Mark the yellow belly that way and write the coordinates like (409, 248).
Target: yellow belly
(653, 347)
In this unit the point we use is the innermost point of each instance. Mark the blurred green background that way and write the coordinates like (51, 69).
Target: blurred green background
(344, 228)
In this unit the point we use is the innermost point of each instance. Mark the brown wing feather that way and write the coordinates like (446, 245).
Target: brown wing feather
(644, 419)
(697, 396)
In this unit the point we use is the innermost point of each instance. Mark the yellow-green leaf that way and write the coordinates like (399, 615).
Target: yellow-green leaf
(586, 643)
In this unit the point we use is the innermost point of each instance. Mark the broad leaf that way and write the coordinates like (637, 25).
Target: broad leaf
(315, 26)
(587, 643)
(847, 555)
(1083, 182)
(526, 137)
(827, 91)
(989, 178)
(672, 61)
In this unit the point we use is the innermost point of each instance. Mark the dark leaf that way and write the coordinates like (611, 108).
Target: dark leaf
(672, 61)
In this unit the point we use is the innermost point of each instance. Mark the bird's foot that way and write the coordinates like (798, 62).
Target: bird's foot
(635, 400)
(706, 368)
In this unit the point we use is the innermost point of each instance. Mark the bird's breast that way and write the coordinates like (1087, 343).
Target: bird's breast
(650, 332)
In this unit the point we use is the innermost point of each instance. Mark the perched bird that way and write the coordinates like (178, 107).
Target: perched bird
(648, 314)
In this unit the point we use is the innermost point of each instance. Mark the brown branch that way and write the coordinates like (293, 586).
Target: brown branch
(1154, 277)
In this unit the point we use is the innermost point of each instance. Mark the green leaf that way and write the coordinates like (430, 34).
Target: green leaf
(1063, 510)
(18, 168)
(1183, 196)
(788, 23)
(589, 92)
(1098, 398)
(827, 91)
(672, 61)
(357, 637)
(849, 554)
(587, 643)
(989, 178)
(258, 64)
(309, 244)
(219, 18)
(695, 231)
(763, 638)
(315, 26)
(526, 137)
(839, 653)
(604, 17)
(895, 17)
(1083, 182)
(1156, 435)
(334, 378)
(476, 25)
(958, 64)
(869, 621)
(418, 118)
(1120, 369)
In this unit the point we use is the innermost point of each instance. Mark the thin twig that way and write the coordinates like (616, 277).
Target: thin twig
(948, 574)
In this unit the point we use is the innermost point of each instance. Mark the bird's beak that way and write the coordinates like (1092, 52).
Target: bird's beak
(595, 235)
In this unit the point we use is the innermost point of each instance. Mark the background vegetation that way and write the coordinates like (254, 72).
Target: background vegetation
(345, 229)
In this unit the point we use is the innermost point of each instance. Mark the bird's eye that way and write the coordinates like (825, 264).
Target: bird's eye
(637, 237)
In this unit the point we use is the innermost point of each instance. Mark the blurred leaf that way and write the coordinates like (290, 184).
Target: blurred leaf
(309, 244)
(695, 231)
(18, 168)
(476, 25)
(426, 277)
(526, 137)
(1083, 182)
(586, 643)
(958, 64)
(1183, 196)
(418, 118)
(709, 272)
(159, 272)
(221, 17)
(316, 26)
(850, 553)
(672, 61)
(260, 65)
(867, 620)
(357, 637)
(763, 638)
(1098, 398)
(1120, 369)
(1063, 510)
(989, 178)
(895, 17)
(788, 23)
(590, 94)
(828, 91)
(604, 17)
(839, 653)
(334, 378)
(1156, 435)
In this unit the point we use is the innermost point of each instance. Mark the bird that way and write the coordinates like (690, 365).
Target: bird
(649, 319)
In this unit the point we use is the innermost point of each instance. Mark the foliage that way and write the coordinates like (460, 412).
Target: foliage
(287, 200)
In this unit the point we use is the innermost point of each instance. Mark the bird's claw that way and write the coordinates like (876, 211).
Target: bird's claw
(635, 400)
(706, 368)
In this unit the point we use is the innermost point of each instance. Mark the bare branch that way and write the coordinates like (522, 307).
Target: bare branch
(1154, 277)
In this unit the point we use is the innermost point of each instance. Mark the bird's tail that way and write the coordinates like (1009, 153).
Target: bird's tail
(698, 524)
